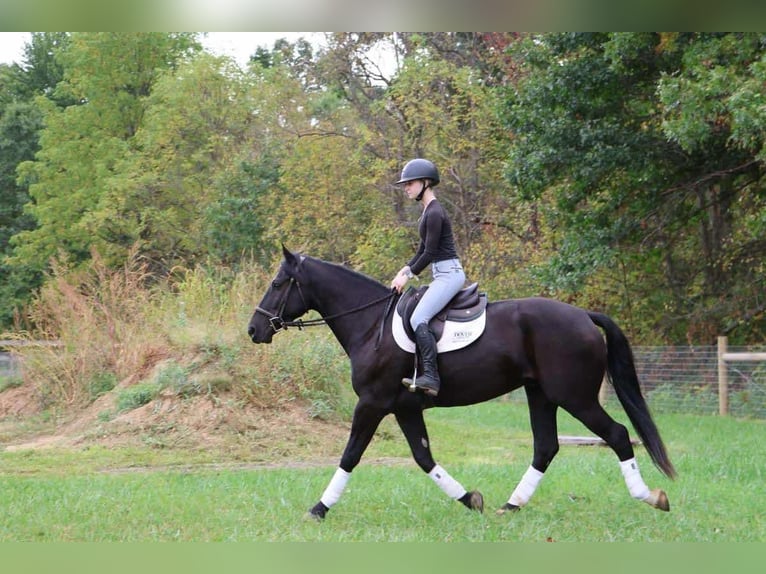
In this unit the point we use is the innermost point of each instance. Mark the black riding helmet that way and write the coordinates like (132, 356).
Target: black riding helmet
(420, 169)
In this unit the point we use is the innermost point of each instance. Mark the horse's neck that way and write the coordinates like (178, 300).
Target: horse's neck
(341, 296)
(339, 290)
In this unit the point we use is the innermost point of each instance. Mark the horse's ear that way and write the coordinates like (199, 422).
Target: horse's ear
(289, 256)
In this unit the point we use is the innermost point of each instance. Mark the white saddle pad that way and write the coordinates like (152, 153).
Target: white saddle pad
(456, 334)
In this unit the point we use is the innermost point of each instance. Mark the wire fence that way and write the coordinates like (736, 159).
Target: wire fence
(686, 380)
(9, 366)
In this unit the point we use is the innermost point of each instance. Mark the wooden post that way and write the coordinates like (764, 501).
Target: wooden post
(723, 378)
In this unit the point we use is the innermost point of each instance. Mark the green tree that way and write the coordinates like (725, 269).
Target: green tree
(325, 196)
(445, 110)
(20, 125)
(636, 214)
(235, 226)
(437, 102)
(714, 110)
(109, 75)
(195, 122)
(42, 68)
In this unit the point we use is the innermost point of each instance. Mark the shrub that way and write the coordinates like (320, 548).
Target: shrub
(10, 382)
(100, 384)
(136, 396)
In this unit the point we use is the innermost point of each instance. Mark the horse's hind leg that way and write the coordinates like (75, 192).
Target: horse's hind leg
(616, 436)
(542, 417)
(414, 428)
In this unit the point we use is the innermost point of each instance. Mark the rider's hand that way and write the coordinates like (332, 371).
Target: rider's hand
(401, 279)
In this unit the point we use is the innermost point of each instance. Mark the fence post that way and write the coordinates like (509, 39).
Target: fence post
(723, 378)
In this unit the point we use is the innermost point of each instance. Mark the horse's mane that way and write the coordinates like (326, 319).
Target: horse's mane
(351, 274)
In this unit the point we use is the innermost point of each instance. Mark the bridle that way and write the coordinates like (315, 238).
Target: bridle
(275, 319)
(278, 323)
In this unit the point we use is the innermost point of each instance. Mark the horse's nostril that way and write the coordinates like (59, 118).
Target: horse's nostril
(251, 331)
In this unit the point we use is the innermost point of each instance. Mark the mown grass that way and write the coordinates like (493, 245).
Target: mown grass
(83, 495)
(117, 330)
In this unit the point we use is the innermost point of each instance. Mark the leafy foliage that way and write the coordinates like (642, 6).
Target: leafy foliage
(620, 171)
(624, 140)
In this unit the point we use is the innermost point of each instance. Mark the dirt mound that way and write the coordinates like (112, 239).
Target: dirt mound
(18, 402)
(203, 422)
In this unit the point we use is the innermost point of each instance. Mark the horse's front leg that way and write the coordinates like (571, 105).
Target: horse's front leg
(363, 426)
(414, 428)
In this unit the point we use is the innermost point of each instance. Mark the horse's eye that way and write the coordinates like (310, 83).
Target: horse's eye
(275, 284)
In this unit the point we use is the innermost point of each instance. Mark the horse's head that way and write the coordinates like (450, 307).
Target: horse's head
(283, 301)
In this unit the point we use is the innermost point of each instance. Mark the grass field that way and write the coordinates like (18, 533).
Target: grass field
(99, 494)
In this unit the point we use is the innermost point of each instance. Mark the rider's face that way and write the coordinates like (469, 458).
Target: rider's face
(413, 188)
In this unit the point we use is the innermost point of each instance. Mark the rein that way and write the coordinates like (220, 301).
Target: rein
(279, 324)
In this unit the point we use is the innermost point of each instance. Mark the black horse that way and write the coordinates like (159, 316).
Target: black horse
(550, 348)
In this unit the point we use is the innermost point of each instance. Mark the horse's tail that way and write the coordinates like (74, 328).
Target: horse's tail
(621, 372)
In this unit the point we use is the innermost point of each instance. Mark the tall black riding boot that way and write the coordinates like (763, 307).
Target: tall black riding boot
(426, 343)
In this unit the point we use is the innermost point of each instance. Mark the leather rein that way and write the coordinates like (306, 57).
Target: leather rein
(278, 323)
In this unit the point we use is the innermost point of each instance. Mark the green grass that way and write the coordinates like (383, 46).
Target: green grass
(98, 494)
(9, 382)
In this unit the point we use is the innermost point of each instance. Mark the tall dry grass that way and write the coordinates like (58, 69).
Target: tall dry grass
(120, 326)
(101, 321)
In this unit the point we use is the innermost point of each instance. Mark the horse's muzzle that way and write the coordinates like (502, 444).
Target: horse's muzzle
(255, 338)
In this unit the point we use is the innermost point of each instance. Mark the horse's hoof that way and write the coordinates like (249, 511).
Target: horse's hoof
(658, 499)
(506, 508)
(318, 512)
(476, 501)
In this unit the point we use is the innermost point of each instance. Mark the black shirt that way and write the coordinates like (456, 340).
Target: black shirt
(436, 240)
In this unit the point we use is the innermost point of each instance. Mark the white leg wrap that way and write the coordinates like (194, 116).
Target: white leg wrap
(449, 485)
(636, 485)
(526, 487)
(335, 488)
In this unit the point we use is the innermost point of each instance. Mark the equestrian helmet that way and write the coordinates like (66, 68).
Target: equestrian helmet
(419, 169)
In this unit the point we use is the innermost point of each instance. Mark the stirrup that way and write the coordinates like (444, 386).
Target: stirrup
(410, 382)
(412, 386)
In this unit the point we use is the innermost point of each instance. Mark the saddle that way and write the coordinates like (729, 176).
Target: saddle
(462, 319)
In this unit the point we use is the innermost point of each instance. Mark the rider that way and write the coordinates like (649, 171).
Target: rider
(437, 248)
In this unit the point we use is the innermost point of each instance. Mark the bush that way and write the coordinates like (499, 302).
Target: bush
(10, 382)
(137, 396)
(175, 378)
(100, 384)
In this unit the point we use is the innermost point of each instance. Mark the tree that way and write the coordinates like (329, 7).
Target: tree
(322, 201)
(591, 148)
(446, 112)
(20, 124)
(714, 110)
(109, 75)
(235, 222)
(195, 122)
(436, 103)
(42, 68)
